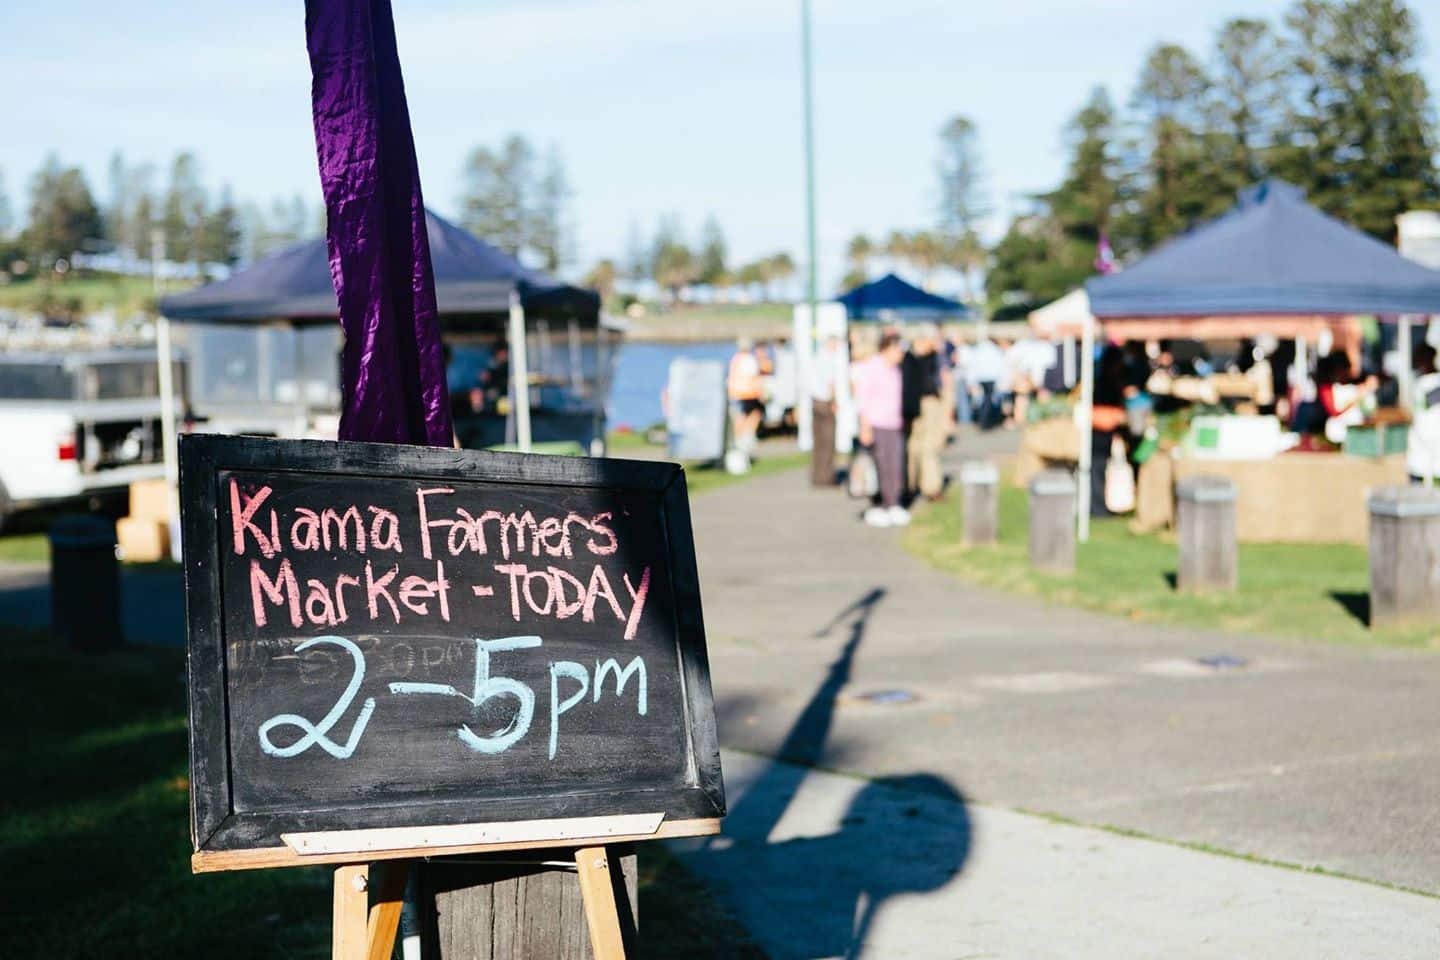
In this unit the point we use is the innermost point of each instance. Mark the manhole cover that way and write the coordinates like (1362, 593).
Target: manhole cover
(1223, 661)
(888, 697)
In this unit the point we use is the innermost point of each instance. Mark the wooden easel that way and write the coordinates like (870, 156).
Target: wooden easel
(363, 930)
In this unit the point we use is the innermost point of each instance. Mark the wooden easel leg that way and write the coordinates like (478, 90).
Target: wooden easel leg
(601, 914)
(351, 912)
(387, 880)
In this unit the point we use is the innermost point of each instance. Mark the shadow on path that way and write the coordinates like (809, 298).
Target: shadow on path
(819, 896)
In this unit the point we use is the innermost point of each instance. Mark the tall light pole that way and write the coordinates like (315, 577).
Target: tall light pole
(804, 351)
(809, 156)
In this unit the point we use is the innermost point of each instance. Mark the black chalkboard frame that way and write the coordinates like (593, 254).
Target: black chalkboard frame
(226, 836)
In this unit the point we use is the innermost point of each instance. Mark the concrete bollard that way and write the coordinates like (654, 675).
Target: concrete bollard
(980, 501)
(85, 583)
(1404, 554)
(1205, 518)
(1052, 522)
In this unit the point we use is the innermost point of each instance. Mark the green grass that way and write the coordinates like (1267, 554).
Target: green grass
(94, 850)
(76, 294)
(1305, 591)
(699, 477)
(620, 441)
(94, 846)
(25, 548)
(703, 479)
(713, 322)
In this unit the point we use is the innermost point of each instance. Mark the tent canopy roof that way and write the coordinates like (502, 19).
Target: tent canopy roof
(891, 295)
(1066, 316)
(472, 279)
(1272, 253)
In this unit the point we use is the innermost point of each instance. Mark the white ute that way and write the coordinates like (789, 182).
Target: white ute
(77, 427)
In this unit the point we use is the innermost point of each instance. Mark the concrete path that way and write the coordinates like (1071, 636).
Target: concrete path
(152, 603)
(1311, 754)
(889, 869)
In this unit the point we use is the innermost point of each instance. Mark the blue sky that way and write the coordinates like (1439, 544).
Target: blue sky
(656, 105)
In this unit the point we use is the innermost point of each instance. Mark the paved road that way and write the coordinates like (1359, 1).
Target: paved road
(1311, 754)
(152, 603)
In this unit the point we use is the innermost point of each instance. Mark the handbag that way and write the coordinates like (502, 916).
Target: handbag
(864, 478)
(1119, 480)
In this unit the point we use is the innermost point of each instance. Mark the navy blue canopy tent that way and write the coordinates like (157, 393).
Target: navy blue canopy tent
(473, 283)
(1272, 264)
(891, 298)
(1272, 254)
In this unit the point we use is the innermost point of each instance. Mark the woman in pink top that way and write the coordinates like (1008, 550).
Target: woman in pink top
(877, 400)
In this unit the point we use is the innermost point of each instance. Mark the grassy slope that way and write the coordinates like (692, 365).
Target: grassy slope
(24, 548)
(713, 322)
(81, 294)
(1305, 591)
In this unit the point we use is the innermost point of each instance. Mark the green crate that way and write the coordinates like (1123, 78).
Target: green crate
(1363, 441)
(1397, 438)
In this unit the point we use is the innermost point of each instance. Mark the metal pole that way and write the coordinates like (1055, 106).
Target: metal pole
(302, 401)
(165, 356)
(519, 373)
(804, 351)
(576, 381)
(602, 388)
(1406, 377)
(1087, 428)
(809, 158)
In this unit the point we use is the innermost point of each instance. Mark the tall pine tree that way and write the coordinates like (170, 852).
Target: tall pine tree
(1171, 159)
(1360, 128)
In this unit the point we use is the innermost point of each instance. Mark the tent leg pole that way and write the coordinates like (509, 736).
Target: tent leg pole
(804, 345)
(519, 373)
(302, 402)
(1086, 425)
(165, 355)
(1407, 362)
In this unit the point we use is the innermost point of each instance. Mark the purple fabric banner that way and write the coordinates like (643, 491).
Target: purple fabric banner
(393, 367)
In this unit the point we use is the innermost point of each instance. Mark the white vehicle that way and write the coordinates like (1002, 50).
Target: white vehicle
(77, 427)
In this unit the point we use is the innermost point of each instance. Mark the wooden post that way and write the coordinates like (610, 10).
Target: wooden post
(1404, 554)
(512, 907)
(980, 501)
(349, 927)
(596, 892)
(387, 880)
(1052, 522)
(1205, 518)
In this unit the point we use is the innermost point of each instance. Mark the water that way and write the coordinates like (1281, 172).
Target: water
(231, 366)
(641, 370)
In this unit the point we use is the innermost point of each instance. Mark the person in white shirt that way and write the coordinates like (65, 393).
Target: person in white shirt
(1422, 451)
(986, 368)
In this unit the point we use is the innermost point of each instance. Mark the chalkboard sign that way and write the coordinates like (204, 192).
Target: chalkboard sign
(384, 638)
(696, 411)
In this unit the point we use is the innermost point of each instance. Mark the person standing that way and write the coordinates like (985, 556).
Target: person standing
(960, 376)
(746, 388)
(1422, 451)
(925, 417)
(878, 389)
(824, 373)
(986, 368)
(1107, 416)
